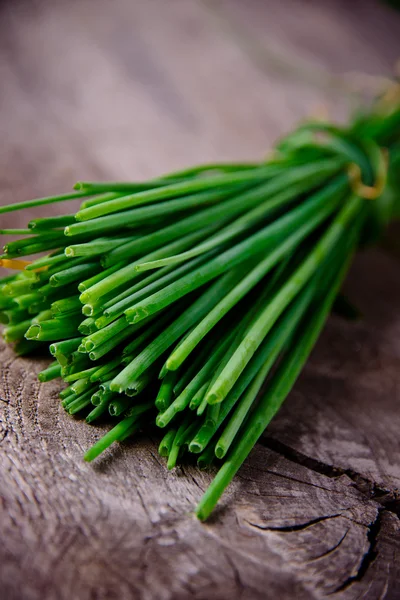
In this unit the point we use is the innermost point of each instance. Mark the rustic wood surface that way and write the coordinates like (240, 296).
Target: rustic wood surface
(124, 89)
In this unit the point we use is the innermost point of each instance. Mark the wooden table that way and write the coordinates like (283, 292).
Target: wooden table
(128, 89)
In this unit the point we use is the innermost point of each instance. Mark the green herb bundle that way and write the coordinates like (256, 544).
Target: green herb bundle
(193, 300)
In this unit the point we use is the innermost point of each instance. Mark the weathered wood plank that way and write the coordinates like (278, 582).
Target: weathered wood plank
(127, 90)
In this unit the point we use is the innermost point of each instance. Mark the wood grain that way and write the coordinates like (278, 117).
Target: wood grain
(99, 89)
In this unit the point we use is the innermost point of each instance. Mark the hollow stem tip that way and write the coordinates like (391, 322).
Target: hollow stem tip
(112, 436)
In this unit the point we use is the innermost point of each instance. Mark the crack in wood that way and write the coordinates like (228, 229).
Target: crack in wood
(291, 528)
(335, 547)
(3, 435)
(389, 499)
(369, 556)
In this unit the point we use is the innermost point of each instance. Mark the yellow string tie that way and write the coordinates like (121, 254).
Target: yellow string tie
(18, 265)
(370, 192)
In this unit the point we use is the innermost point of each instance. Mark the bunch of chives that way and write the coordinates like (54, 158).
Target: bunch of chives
(173, 301)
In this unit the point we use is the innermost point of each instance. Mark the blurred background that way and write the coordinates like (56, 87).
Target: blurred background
(94, 89)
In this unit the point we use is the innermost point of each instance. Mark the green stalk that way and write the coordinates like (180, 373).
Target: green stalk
(103, 197)
(173, 456)
(319, 205)
(65, 393)
(172, 333)
(166, 392)
(206, 458)
(150, 211)
(49, 223)
(119, 405)
(7, 303)
(42, 201)
(246, 402)
(13, 333)
(109, 438)
(17, 288)
(88, 283)
(17, 246)
(103, 335)
(217, 215)
(87, 326)
(120, 188)
(91, 310)
(176, 448)
(96, 247)
(64, 349)
(196, 363)
(102, 396)
(143, 281)
(139, 409)
(81, 402)
(199, 395)
(202, 407)
(52, 372)
(78, 368)
(240, 290)
(141, 382)
(245, 222)
(44, 315)
(56, 329)
(210, 168)
(212, 415)
(128, 301)
(127, 273)
(187, 394)
(279, 388)
(186, 431)
(102, 349)
(105, 369)
(80, 386)
(166, 443)
(15, 232)
(96, 412)
(66, 305)
(13, 316)
(174, 190)
(47, 261)
(265, 357)
(74, 274)
(132, 430)
(7, 279)
(285, 295)
(36, 245)
(65, 402)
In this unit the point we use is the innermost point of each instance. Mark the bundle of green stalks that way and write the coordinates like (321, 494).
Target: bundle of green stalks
(193, 300)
